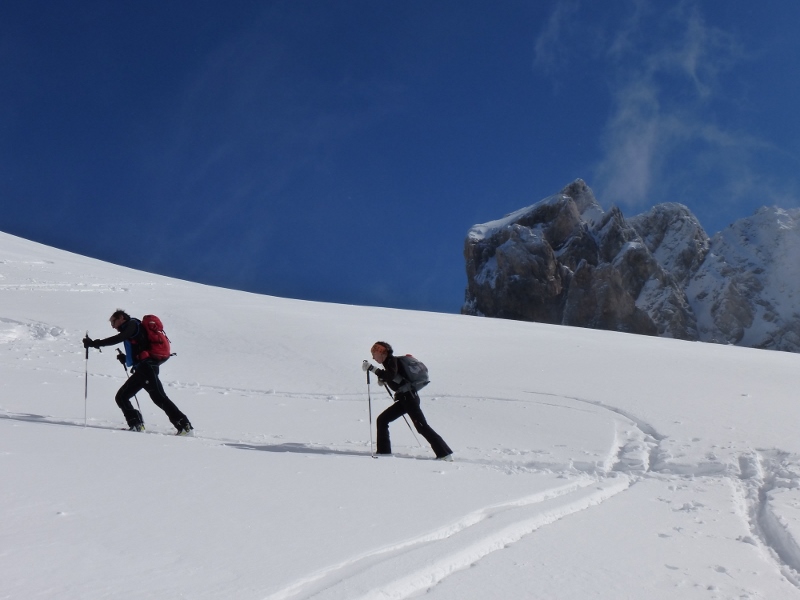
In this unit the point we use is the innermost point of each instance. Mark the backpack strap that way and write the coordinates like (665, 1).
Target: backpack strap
(401, 379)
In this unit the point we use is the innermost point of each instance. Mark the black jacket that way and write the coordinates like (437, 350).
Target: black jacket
(129, 329)
(133, 335)
(392, 373)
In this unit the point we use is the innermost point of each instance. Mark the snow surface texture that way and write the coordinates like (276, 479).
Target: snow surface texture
(588, 464)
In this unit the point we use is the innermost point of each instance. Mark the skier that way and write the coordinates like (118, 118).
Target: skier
(144, 373)
(406, 402)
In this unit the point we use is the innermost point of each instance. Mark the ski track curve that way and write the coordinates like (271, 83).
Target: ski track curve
(402, 570)
(410, 567)
(765, 476)
(757, 482)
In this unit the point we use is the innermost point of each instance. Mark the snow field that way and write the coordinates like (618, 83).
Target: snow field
(588, 464)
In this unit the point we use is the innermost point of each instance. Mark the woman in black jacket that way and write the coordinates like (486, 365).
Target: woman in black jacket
(406, 402)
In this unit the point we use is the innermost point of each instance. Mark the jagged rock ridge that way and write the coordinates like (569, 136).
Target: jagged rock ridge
(566, 261)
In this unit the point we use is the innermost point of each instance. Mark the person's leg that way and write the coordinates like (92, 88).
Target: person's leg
(395, 411)
(152, 384)
(438, 445)
(123, 398)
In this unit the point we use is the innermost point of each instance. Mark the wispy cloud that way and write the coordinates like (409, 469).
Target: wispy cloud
(549, 50)
(666, 68)
(637, 138)
(698, 52)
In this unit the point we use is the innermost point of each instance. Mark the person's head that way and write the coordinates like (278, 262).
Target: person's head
(119, 318)
(380, 352)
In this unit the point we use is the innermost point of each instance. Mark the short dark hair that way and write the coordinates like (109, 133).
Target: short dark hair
(120, 313)
(389, 350)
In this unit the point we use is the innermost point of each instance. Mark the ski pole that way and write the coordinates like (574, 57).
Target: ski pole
(86, 384)
(404, 419)
(86, 380)
(124, 366)
(412, 431)
(369, 401)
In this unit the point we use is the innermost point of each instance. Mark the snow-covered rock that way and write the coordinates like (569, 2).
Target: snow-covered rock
(564, 260)
(747, 291)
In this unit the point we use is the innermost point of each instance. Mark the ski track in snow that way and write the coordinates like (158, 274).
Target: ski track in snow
(763, 483)
(769, 482)
(757, 482)
(427, 560)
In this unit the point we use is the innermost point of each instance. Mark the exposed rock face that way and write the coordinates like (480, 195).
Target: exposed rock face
(747, 291)
(675, 239)
(566, 261)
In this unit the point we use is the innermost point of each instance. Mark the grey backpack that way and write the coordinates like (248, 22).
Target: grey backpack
(416, 374)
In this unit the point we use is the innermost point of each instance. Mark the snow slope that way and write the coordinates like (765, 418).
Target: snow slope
(589, 464)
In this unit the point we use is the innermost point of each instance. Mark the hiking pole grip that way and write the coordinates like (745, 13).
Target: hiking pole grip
(124, 366)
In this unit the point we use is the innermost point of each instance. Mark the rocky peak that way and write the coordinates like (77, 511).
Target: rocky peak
(747, 291)
(594, 265)
(674, 237)
(564, 260)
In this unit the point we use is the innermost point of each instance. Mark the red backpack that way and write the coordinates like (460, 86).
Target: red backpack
(159, 342)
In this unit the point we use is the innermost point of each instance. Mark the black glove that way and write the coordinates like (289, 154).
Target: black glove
(90, 343)
(122, 358)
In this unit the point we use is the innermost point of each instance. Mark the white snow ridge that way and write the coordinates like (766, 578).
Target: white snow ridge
(588, 464)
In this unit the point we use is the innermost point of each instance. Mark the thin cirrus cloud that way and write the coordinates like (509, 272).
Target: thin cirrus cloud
(549, 53)
(661, 110)
(664, 69)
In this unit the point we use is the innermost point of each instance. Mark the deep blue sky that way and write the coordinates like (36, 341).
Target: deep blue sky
(340, 150)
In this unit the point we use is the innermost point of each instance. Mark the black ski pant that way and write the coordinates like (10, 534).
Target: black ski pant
(407, 403)
(145, 377)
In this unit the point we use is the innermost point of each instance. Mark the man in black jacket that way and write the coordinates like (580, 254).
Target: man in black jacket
(405, 403)
(144, 373)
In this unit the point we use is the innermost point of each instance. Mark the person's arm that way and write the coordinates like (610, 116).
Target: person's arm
(127, 333)
(389, 372)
